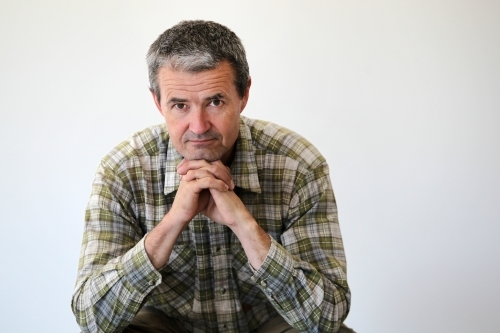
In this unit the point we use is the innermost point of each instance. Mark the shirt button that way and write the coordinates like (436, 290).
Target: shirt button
(152, 282)
(263, 283)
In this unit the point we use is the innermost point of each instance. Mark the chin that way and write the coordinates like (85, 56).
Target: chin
(209, 156)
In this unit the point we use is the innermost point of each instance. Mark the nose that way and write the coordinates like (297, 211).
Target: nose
(199, 122)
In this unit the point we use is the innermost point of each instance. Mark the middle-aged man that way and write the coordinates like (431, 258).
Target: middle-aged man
(214, 222)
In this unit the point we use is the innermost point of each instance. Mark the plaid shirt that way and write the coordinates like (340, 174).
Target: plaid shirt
(208, 283)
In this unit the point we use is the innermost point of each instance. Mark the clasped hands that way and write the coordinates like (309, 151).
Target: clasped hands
(207, 188)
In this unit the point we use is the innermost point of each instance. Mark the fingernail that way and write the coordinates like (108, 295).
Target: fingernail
(232, 184)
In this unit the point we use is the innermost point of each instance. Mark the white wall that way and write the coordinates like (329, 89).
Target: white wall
(402, 97)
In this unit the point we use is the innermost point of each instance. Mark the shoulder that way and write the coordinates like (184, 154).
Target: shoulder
(145, 144)
(271, 138)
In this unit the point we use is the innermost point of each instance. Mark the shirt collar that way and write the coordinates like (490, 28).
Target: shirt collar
(172, 179)
(243, 169)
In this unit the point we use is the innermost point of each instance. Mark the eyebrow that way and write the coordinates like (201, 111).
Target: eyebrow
(175, 100)
(214, 97)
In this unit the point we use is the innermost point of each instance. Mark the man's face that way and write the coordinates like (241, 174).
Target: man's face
(202, 111)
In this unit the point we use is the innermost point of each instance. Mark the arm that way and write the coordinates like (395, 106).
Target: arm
(118, 263)
(115, 274)
(305, 277)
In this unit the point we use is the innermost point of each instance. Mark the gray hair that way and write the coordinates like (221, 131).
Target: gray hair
(195, 46)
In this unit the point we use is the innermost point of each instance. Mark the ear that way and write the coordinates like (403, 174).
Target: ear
(244, 100)
(156, 100)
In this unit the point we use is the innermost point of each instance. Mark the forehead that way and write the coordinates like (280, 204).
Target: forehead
(217, 80)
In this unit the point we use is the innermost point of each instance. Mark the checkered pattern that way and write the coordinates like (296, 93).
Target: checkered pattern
(208, 283)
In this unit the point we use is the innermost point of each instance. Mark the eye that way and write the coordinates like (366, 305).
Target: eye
(180, 106)
(216, 102)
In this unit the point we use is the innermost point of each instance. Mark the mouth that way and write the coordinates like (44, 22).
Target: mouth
(201, 142)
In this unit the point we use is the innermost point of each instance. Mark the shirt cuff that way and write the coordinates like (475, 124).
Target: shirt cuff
(139, 271)
(275, 272)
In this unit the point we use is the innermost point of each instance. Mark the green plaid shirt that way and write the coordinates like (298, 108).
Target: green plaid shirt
(208, 283)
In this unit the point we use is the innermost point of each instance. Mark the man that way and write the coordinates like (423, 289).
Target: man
(214, 222)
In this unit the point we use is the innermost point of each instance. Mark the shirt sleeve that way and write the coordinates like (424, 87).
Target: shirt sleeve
(304, 277)
(115, 274)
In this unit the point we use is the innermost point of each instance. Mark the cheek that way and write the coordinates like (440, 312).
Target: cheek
(174, 129)
(233, 127)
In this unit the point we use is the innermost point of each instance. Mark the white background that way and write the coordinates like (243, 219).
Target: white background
(402, 98)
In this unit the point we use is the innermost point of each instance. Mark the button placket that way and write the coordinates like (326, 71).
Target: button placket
(222, 270)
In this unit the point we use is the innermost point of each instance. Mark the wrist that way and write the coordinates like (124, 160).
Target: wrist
(255, 241)
(245, 223)
(160, 241)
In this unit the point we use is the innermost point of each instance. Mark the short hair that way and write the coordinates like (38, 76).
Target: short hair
(195, 46)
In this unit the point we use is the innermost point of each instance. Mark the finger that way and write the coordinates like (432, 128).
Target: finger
(206, 183)
(197, 174)
(217, 169)
(186, 165)
(227, 170)
(182, 162)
